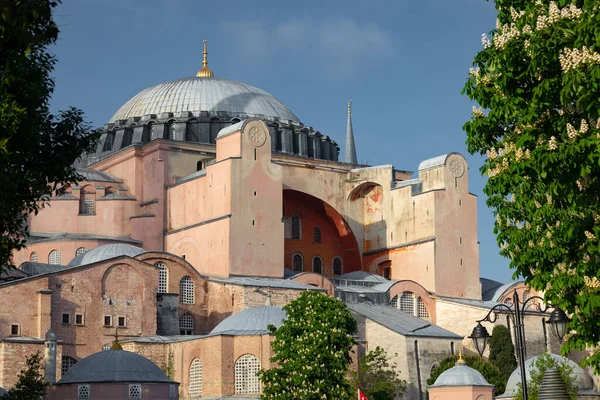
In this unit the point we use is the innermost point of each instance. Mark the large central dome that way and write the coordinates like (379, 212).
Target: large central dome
(198, 94)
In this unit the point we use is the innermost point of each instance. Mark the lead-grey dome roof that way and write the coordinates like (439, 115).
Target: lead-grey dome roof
(114, 366)
(252, 321)
(460, 375)
(197, 94)
(105, 252)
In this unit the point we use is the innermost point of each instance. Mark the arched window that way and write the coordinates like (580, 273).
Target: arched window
(421, 309)
(394, 302)
(170, 130)
(148, 133)
(215, 127)
(246, 379)
(196, 380)
(186, 290)
(109, 190)
(298, 263)
(337, 266)
(33, 257)
(54, 257)
(87, 200)
(199, 165)
(317, 265)
(317, 234)
(163, 278)
(66, 364)
(80, 251)
(186, 324)
(296, 227)
(407, 304)
(192, 131)
(108, 142)
(127, 137)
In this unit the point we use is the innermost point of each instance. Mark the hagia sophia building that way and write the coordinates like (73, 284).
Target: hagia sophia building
(207, 206)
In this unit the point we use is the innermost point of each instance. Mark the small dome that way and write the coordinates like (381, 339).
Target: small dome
(251, 321)
(112, 366)
(460, 375)
(582, 379)
(50, 335)
(105, 252)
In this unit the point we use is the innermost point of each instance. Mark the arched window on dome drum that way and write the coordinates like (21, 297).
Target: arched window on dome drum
(421, 309)
(196, 380)
(66, 364)
(54, 257)
(163, 278)
(337, 266)
(127, 137)
(87, 200)
(192, 130)
(298, 263)
(186, 290)
(148, 132)
(108, 142)
(80, 251)
(170, 130)
(246, 378)
(186, 324)
(33, 257)
(215, 127)
(407, 303)
(317, 265)
(317, 234)
(296, 227)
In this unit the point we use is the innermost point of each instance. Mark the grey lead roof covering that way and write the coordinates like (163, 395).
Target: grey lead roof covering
(279, 283)
(115, 366)
(96, 176)
(196, 94)
(252, 321)
(230, 129)
(460, 375)
(33, 268)
(488, 288)
(362, 276)
(400, 322)
(435, 161)
(105, 252)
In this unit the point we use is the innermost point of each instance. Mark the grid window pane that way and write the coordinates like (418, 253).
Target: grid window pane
(135, 392)
(33, 257)
(394, 302)
(66, 364)
(106, 347)
(80, 251)
(163, 277)
(246, 378)
(186, 324)
(196, 380)
(422, 310)
(83, 392)
(88, 205)
(407, 304)
(298, 263)
(186, 290)
(54, 258)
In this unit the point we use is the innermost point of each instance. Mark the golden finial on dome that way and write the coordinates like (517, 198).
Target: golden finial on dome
(116, 345)
(349, 106)
(205, 71)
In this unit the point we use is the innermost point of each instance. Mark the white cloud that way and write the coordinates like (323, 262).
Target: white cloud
(338, 46)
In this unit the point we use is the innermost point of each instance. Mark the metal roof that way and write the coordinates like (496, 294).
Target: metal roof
(501, 290)
(252, 321)
(33, 268)
(435, 161)
(96, 176)
(35, 237)
(460, 375)
(470, 302)
(400, 322)
(362, 276)
(230, 129)
(198, 94)
(488, 288)
(279, 283)
(115, 366)
(105, 252)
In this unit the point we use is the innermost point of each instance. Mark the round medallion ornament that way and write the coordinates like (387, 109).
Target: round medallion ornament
(257, 136)
(457, 167)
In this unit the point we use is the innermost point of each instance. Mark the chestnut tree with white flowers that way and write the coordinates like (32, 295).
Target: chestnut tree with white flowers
(537, 84)
(311, 351)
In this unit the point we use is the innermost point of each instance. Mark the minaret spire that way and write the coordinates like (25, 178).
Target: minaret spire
(205, 71)
(350, 146)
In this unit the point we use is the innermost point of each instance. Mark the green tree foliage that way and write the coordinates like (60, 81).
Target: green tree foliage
(37, 149)
(312, 351)
(537, 80)
(376, 377)
(490, 372)
(540, 365)
(502, 351)
(31, 384)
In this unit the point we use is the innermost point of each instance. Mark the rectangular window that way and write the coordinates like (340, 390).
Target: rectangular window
(66, 318)
(14, 329)
(387, 273)
(78, 319)
(122, 322)
(107, 320)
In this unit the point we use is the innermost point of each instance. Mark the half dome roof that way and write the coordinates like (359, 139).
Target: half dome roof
(215, 95)
(252, 321)
(105, 252)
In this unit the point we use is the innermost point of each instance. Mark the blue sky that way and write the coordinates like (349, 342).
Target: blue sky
(403, 63)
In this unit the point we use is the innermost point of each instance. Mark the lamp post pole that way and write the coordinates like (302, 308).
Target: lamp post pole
(558, 325)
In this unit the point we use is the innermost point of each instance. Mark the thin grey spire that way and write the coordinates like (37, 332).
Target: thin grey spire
(350, 146)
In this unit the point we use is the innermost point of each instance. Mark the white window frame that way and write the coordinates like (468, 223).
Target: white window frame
(124, 321)
(104, 320)
(195, 377)
(245, 370)
(185, 326)
(82, 319)
(186, 290)
(54, 257)
(33, 257)
(163, 277)
(341, 265)
(313, 264)
(294, 263)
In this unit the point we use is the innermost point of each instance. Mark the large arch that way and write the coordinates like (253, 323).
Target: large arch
(335, 238)
(413, 287)
(313, 279)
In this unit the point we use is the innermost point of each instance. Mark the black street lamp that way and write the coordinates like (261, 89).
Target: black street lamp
(558, 326)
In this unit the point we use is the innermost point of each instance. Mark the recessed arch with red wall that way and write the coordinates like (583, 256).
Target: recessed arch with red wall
(318, 280)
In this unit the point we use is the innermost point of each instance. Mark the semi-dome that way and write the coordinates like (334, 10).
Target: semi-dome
(583, 381)
(204, 93)
(105, 252)
(252, 321)
(460, 375)
(112, 366)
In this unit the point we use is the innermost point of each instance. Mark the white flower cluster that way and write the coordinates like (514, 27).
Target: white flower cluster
(572, 132)
(592, 283)
(485, 42)
(573, 58)
(507, 33)
(477, 112)
(555, 14)
(552, 143)
(589, 235)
